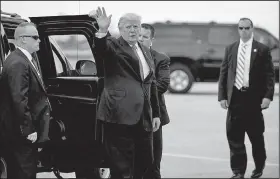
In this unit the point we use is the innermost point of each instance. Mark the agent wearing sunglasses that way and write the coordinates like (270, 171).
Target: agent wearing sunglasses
(25, 109)
(246, 87)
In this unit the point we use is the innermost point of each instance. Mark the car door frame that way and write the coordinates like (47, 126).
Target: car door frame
(57, 25)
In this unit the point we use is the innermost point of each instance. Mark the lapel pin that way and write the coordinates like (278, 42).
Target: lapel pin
(255, 50)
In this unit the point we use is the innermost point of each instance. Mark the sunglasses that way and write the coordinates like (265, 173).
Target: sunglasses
(246, 28)
(35, 37)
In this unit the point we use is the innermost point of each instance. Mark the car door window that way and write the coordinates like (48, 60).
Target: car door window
(221, 35)
(175, 35)
(4, 43)
(265, 38)
(69, 51)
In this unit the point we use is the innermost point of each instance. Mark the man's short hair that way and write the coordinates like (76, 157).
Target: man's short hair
(246, 18)
(20, 27)
(149, 27)
(127, 17)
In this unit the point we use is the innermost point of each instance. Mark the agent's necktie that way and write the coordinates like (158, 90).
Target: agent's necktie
(239, 78)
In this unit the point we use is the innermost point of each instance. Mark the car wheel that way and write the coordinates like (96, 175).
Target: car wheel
(3, 168)
(181, 78)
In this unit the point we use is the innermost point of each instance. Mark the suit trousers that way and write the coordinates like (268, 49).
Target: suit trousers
(128, 150)
(21, 158)
(245, 116)
(154, 171)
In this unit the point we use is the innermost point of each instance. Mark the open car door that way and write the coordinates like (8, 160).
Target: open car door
(73, 77)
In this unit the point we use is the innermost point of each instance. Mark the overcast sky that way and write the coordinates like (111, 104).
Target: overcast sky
(264, 14)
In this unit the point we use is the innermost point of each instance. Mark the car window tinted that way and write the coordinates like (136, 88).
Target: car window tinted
(174, 38)
(175, 34)
(2, 48)
(5, 43)
(261, 37)
(265, 38)
(221, 35)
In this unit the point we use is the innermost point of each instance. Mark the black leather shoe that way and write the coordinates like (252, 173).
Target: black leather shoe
(256, 173)
(237, 175)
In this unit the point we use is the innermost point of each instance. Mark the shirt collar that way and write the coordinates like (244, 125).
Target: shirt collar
(26, 53)
(136, 45)
(249, 42)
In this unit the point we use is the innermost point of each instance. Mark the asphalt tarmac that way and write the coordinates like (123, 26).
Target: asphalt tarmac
(195, 144)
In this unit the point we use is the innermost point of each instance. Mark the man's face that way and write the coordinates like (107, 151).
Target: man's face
(130, 31)
(245, 29)
(31, 39)
(145, 37)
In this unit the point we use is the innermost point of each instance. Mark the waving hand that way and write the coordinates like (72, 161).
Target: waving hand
(102, 20)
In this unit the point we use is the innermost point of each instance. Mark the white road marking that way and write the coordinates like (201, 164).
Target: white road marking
(210, 158)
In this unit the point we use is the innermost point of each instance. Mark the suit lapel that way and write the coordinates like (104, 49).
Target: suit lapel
(253, 53)
(39, 79)
(234, 55)
(133, 59)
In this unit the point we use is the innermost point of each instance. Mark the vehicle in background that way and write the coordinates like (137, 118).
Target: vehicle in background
(196, 50)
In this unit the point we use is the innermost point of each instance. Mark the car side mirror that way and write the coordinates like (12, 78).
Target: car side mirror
(86, 68)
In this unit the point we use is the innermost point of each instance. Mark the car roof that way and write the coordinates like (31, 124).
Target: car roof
(172, 24)
(169, 24)
(10, 21)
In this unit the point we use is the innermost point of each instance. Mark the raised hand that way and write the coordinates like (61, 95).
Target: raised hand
(101, 18)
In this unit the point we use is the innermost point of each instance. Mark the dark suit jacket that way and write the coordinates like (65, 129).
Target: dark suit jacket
(162, 72)
(261, 75)
(125, 96)
(24, 108)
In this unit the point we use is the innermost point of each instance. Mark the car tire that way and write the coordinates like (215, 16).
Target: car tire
(181, 78)
(3, 168)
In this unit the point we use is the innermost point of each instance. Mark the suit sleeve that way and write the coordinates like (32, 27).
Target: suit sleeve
(103, 46)
(19, 86)
(154, 100)
(222, 91)
(163, 75)
(269, 75)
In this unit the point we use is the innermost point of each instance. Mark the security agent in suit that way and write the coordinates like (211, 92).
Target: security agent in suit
(162, 71)
(128, 104)
(25, 109)
(246, 87)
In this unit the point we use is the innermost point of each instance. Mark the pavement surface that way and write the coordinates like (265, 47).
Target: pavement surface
(195, 144)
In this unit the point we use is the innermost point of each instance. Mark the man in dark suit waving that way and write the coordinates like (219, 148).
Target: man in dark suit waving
(246, 87)
(25, 108)
(129, 103)
(162, 71)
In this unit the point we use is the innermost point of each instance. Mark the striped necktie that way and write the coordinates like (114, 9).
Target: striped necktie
(36, 65)
(240, 67)
(40, 78)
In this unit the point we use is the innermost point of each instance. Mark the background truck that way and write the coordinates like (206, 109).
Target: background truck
(196, 50)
